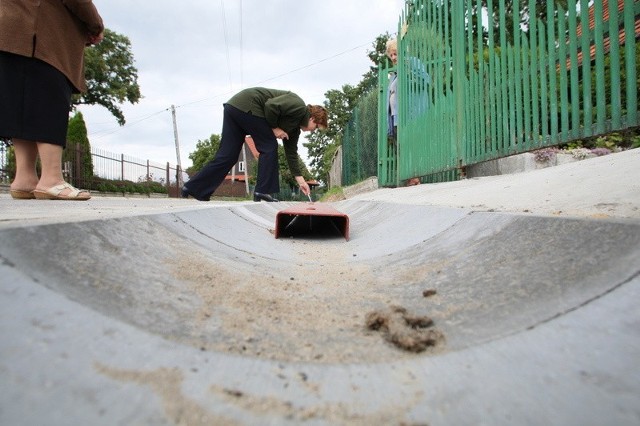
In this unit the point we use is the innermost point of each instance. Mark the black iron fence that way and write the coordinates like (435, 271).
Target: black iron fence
(118, 171)
(5, 178)
(103, 171)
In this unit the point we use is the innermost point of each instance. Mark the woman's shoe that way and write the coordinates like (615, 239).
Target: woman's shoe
(19, 194)
(258, 196)
(184, 193)
(55, 193)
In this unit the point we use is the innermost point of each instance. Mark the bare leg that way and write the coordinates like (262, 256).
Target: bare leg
(52, 184)
(51, 160)
(26, 180)
(26, 155)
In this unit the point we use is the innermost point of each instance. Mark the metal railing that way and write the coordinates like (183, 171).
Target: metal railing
(105, 171)
(4, 164)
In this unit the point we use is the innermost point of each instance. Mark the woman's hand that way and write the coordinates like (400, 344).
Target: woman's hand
(95, 39)
(280, 134)
(304, 186)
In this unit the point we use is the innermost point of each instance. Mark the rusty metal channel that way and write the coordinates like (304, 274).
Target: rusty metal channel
(312, 220)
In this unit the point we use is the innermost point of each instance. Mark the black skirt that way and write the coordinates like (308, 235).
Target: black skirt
(35, 100)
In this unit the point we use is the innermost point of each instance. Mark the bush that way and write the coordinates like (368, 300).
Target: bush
(545, 155)
(126, 187)
(580, 153)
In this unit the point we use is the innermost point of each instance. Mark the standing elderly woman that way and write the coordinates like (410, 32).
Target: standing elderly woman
(392, 93)
(41, 64)
(417, 98)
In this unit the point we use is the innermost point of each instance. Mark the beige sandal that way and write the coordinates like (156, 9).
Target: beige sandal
(53, 193)
(20, 194)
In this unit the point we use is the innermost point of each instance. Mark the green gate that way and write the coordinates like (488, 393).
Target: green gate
(516, 85)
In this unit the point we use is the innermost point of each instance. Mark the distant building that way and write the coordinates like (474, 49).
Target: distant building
(234, 184)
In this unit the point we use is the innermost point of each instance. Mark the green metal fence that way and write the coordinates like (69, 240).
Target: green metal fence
(517, 85)
(360, 139)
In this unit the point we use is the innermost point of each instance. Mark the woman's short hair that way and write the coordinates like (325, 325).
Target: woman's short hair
(319, 115)
(392, 44)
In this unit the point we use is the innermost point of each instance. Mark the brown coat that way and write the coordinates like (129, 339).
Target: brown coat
(54, 31)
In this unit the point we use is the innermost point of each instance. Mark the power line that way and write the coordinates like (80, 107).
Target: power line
(129, 124)
(281, 75)
(313, 64)
(226, 43)
(100, 134)
(241, 50)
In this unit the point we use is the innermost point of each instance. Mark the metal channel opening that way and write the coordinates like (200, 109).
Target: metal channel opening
(312, 223)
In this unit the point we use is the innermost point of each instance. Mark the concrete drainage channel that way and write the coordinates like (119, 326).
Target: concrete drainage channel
(427, 315)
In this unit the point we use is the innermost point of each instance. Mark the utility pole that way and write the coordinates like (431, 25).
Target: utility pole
(175, 136)
(246, 167)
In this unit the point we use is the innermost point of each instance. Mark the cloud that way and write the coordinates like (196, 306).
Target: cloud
(196, 54)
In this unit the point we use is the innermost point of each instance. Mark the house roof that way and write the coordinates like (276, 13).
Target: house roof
(622, 37)
(237, 178)
(605, 15)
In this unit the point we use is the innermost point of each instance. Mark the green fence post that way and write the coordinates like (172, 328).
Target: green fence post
(457, 15)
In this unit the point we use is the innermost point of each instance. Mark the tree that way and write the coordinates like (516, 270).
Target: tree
(510, 7)
(285, 173)
(377, 56)
(205, 151)
(111, 75)
(78, 150)
(340, 104)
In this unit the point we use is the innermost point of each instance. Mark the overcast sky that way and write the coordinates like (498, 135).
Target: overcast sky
(195, 54)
